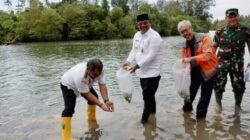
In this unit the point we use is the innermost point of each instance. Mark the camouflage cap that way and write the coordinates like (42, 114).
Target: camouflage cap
(234, 11)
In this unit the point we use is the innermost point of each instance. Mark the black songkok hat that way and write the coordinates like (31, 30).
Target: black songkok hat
(142, 17)
(232, 11)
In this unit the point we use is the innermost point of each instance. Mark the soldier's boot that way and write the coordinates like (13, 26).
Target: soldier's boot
(218, 105)
(238, 98)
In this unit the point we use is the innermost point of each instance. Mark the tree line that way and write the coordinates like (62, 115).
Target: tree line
(98, 19)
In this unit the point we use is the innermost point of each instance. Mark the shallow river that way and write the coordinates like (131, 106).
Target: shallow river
(31, 101)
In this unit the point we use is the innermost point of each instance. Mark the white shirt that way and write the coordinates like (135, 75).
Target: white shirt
(77, 80)
(146, 52)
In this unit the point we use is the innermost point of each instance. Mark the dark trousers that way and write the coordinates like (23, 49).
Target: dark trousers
(92, 91)
(149, 87)
(69, 98)
(206, 91)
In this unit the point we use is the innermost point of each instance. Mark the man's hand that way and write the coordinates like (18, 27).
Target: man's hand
(104, 107)
(110, 105)
(132, 68)
(186, 60)
(125, 65)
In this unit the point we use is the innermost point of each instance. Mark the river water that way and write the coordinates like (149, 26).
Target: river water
(31, 101)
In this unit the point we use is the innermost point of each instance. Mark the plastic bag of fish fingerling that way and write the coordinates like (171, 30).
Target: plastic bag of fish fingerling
(247, 74)
(181, 72)
(125, 83)
(127, 96)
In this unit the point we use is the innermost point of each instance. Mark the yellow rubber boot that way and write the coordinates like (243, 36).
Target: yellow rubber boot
(91, 112)
(66, 128)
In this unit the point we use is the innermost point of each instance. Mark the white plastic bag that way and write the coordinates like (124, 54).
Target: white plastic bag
(181, 73)
(247, 75)
(125, 83)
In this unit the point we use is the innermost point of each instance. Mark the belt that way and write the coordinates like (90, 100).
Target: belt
(224, 50)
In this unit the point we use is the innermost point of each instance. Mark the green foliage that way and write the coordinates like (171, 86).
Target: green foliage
(49, 26)
(46, 25)
(175, 20)
(197, 8)
(35, 4)
(164, 24)
(69, 1)
(7, 26)
(79, 19)
(126, 27)
(110, 28)
(116, 14)
(174, 9)
(134, 4)
(217, 24)
(105, 7)
(245, 20)
(97, 30)
(161, 4)
(77, 22)
(122, 4)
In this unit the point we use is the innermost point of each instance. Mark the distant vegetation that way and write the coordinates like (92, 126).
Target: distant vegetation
(99, 19)
(244, 20)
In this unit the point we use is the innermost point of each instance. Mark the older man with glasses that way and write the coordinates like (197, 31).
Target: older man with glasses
(197, 50)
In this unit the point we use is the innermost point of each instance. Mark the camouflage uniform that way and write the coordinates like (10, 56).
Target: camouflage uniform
(231, 43)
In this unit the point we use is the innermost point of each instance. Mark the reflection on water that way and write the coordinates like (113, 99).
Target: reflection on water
(31, 100)
(94, 132)
(196, 129)
(150, 128)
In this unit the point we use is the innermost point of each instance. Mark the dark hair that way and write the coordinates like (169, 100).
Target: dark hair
(94, 64)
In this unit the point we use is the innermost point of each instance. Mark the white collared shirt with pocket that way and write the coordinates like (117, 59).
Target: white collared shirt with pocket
(77, 80)
(147, 53)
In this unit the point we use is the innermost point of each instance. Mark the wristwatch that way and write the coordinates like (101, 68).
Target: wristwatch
(106, 100)
(137, 66)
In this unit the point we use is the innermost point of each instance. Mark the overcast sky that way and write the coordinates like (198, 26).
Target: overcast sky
(218, 11)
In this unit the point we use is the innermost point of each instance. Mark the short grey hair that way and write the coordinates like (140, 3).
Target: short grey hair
(183, 23)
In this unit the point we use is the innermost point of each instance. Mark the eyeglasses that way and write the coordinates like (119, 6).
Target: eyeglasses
(184, 31)
(140, 23)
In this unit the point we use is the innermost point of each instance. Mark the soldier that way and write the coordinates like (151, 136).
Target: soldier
(230, 42)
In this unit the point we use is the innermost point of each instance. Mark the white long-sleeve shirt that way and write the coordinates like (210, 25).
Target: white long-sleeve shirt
(77, 79)
(146, 52)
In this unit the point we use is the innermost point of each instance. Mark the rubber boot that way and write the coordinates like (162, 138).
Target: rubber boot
(238, 99)
(91, 112)
(218, 105)
(66, 128)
